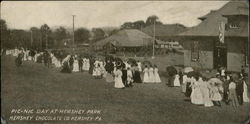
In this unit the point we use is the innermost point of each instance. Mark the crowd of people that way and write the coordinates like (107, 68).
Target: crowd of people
(202, 90)
(230, 88)
(122, 72)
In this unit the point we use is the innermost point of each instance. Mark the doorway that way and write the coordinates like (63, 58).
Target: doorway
(220, 55)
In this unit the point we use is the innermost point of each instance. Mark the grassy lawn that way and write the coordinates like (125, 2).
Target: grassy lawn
(37, 87)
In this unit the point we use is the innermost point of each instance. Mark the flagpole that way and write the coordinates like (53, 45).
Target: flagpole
(154, 42)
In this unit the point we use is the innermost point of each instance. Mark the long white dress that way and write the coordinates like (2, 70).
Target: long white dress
(215, 94)
(84, 64)
(98, 71)
(177, 81)
(245, 93)
(145, 77)
(58, 63)
(87, 64)
(129, 76)
(204, 86)
(75, 66)
(139, 66)
(118, 79)
(157, 78)
(184, 83)
(151, 75)
(53, 59)
(196, 95)
(25, 55)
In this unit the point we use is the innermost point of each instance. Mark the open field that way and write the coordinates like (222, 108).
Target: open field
(37, 87)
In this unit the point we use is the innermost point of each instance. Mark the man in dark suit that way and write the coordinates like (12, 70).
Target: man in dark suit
(239, 90)
(80, 64)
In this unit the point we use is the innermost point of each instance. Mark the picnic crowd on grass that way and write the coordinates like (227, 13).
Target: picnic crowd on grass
(199, 87)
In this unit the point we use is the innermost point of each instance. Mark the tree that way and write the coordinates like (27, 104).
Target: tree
(45, 32)
(98, 34)
(152, 19)
(5, 34)
(36, 37)
(82, 35)
(139, 24)
(127, 25)
(20, 38)
(133, 25)
(59, 35)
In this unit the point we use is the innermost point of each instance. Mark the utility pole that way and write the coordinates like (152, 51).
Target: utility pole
(31, 38)
(73, 31)
(154, 42)
(46, 40)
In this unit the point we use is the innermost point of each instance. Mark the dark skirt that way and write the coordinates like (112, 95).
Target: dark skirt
(66, 68)
(188, 90)
(124, 77)
(137, 77)
(91, 69)
(18, 61)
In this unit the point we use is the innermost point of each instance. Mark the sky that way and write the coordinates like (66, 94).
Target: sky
(91, 14)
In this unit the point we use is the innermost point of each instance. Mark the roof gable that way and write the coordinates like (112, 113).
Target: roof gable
(210, 26)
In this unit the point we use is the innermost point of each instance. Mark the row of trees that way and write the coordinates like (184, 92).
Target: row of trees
(45, 37)
(140, 23)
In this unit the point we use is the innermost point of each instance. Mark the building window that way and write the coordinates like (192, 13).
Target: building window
(233, 26)
(195, 51)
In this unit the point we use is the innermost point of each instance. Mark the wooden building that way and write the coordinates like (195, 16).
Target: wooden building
(202, 46)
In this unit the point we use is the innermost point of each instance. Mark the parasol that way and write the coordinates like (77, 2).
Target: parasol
(215, 81)
(188, 69)
(194, 74)
(171, 70)
(132, 61)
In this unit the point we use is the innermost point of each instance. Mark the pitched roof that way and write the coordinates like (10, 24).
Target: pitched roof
(127, 38)
(210, 26)
(237, 8)
(164, 30)
(207, 15)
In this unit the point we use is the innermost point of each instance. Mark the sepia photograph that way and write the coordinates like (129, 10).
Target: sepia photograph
(125, 62)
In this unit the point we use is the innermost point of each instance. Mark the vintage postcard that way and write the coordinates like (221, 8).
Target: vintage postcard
(125, 62)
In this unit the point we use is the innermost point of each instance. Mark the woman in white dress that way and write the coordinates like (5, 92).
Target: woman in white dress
(129, 77)
(139, 66)
(204, 86)
(87, 64)
(177, 80)
(215, 94)
(151, 74)
(196, 95)
(184, 83)
(245, 92)
(157, 78)
(118, 78)
(146, 75)
(25, 55)
(75, 65)
(98, 71)
(95, 69)
(84, 64)
(53, 58)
